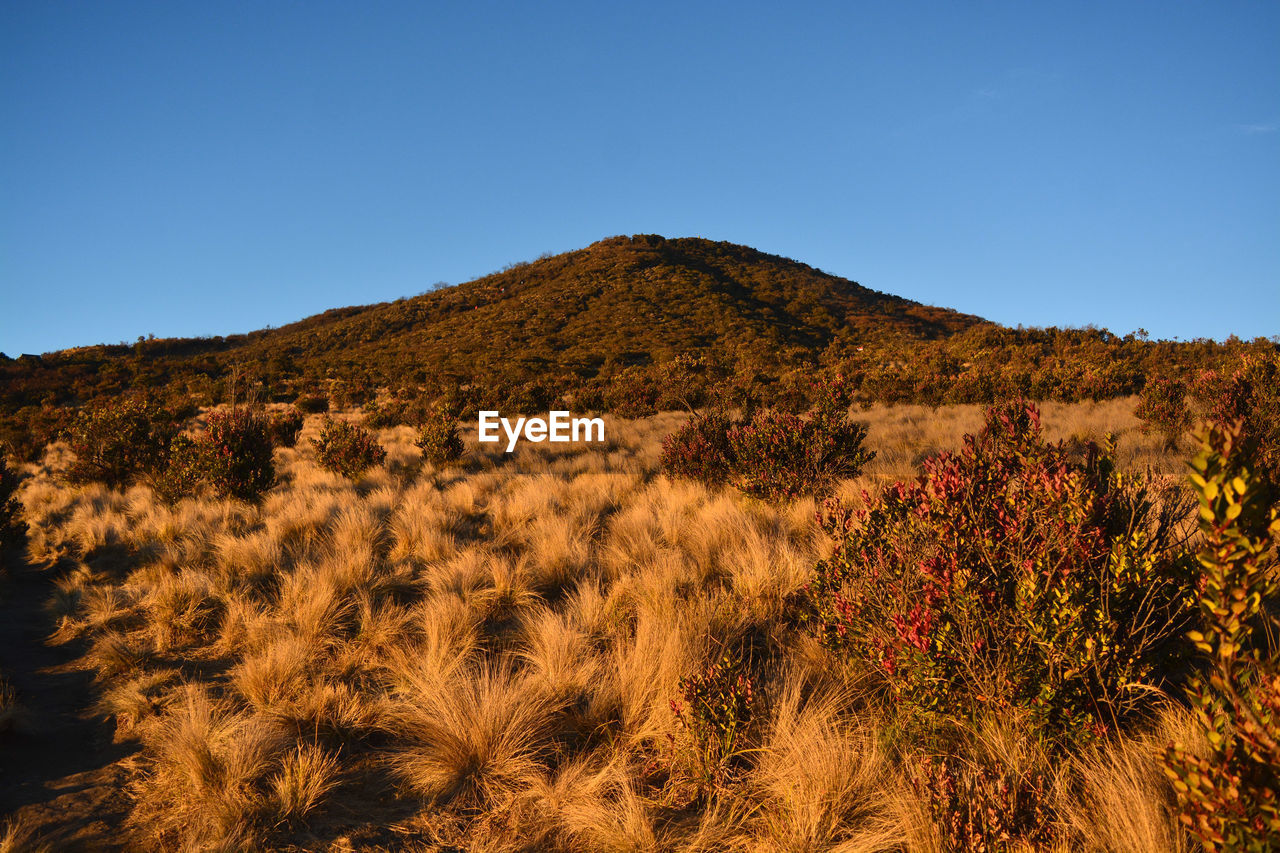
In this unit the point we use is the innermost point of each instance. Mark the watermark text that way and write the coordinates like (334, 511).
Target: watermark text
(557, 427)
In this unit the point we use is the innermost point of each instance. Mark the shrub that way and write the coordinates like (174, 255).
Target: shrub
(312, 404)
(716, 707)
(438, 438)
(26, 432)
(773, 454)
(700, 450)
(1163, 409)
(347, 449)
(116, 441)
(778, 455)
(978, 807)
(1009, 581)
(13, 530)
(404, 408)
(1230, 798)
(285, 427)
(1249, 396)
(186, 467)
(238, 453)
(632, 393)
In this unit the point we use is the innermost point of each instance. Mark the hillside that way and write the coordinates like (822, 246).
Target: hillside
(622, 300)
(618, 302)
(600, 328)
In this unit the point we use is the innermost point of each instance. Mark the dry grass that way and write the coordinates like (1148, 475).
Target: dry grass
(485, 655)
(17, 836)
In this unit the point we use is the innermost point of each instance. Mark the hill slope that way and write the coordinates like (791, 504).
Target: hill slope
(621, 301)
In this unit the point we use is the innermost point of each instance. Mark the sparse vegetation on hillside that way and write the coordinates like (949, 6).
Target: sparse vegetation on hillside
(558, 649)
(985, 646)
(630, 325)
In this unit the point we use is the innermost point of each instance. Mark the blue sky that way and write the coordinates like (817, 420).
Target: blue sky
(209, 168)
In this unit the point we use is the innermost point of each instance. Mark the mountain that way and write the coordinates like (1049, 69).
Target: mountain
(620, 302)
(623, 300)
(608, 327)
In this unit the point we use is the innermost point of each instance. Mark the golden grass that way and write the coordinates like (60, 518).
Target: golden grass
(485, 655)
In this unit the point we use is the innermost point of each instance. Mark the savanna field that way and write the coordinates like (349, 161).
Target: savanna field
(730, 631)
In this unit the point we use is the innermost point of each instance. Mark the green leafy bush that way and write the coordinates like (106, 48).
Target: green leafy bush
(1009, 581)
(186, 467)
(285, 426)
(438, 438)
(238, 453)
(347, 449)
(716, 706)
(1230, 798)
(117, 441)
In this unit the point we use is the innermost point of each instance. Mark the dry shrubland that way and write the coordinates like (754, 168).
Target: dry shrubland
(507, 653)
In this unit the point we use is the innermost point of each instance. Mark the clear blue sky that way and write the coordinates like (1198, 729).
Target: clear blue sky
(213, 167)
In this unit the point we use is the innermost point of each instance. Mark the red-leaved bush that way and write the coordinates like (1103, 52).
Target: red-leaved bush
(774, 454)
(780, 455)
(238, 453)
(699, 450)
(716, 706)
(1250, 398)
(1009, 581)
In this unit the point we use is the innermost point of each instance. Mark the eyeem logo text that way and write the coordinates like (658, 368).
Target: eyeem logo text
(558, 426)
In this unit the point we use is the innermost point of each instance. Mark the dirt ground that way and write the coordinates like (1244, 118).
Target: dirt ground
(61, 774)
